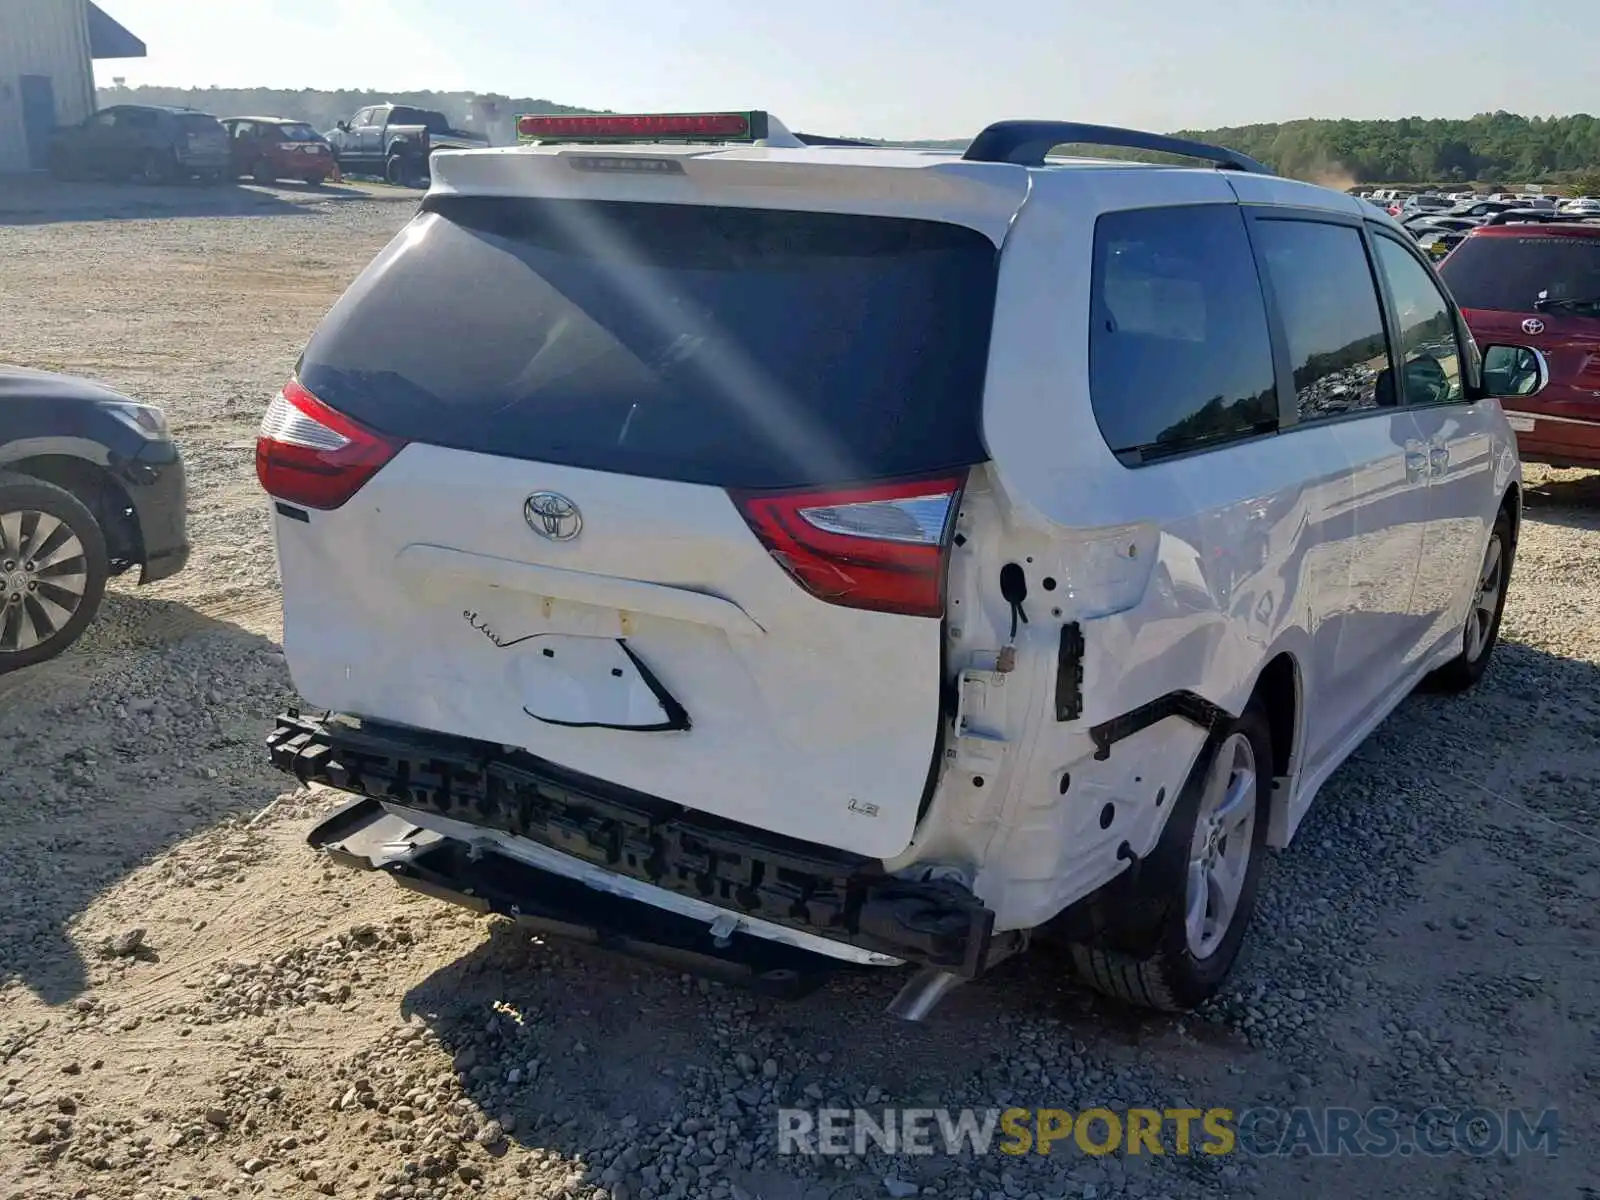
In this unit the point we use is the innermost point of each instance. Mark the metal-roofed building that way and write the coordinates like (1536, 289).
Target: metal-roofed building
(47, 53)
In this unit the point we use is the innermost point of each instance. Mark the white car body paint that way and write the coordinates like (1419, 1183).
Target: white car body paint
(821, 723)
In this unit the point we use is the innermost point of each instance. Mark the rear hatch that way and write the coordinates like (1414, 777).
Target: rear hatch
(662, 493)
(1536, 286)
(203, 136)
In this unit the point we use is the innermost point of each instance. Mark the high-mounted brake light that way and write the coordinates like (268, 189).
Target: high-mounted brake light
(884, 547)
(308, 454)
(643, 127)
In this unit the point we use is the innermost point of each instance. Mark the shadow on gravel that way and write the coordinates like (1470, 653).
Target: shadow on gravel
(30, 200)
(148, 731)
(560, 1043)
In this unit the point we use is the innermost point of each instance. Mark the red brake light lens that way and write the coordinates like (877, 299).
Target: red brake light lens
(883, 547)
(311, 455)
(636, 127)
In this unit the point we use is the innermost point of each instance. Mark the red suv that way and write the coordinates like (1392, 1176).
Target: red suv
(1539, 285)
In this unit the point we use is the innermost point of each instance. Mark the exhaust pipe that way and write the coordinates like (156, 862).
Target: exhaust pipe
(922, 992)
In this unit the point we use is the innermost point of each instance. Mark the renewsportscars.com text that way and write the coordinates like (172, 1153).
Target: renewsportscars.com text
(1261, 1132)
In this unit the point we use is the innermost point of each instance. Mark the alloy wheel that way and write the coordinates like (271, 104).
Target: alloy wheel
(1219, 852)
(43, 578)
(1486, 599)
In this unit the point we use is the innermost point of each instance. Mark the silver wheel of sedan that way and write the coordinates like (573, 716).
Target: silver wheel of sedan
(1220, 850)
(43, 578)
(53, 570)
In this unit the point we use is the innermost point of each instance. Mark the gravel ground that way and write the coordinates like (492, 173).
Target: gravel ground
(192, 1004)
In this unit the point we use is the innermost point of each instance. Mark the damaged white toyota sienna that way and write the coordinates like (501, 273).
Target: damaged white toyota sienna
(771, 556)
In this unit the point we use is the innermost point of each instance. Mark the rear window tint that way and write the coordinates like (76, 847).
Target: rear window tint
(735, 347)
(197, 123)
(296, 133)
(1179, 354)
(1510, 274)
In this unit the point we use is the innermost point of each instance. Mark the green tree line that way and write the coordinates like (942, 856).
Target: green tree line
(1491, 147)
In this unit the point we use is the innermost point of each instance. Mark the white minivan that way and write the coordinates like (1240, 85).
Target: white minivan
(759, 554)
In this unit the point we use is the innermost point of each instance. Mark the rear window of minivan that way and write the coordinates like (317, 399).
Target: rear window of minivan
(726, 346)
(1508, 273)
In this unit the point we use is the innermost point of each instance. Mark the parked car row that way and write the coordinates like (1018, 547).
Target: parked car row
(163, 144)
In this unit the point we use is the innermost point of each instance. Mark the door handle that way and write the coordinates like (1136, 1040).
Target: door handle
(1438, 460)
(1416, 465)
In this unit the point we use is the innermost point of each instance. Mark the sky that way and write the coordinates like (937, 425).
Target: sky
(899, 68)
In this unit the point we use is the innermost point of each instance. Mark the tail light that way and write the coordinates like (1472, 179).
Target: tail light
(308, 454)
(883, 547)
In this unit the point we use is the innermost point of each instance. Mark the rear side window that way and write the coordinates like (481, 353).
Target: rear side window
(1179, 354)
(1522, 274)
(734, 347)
(197, 123)
(1332, 320)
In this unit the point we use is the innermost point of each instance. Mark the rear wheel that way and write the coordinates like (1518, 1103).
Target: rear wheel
(1202, 876)
(1482, 629)
(53, 570)
(155, 167)
(403, 170)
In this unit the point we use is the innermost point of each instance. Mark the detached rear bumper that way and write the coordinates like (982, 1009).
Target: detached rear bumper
(364, 836)
(743, 871)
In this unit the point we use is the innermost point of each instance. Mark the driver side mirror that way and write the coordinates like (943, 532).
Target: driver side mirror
(1512, 371)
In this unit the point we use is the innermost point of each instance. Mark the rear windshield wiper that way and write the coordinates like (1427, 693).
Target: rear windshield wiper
(1569, 302)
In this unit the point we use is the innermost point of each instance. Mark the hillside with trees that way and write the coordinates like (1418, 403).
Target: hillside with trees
(1497, 146)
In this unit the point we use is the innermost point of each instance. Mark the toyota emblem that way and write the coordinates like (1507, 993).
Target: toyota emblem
(1533, 325)
(552, 515)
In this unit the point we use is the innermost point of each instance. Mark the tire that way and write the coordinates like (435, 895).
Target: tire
(1180, 968)
(1482, 630)
(404, 169)
(53, 570)
(155, 167)
(316, 181)
(261, 172)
